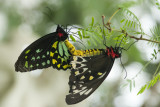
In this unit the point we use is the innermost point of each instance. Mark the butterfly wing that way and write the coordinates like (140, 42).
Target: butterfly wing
(87, 74)
(45, 52)
(36, 55)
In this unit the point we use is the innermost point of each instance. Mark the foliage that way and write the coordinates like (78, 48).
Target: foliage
(157, 4)
(150, 84)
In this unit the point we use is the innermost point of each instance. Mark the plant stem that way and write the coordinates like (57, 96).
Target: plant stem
(131, 36)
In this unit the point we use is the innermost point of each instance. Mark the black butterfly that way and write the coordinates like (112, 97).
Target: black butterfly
(87, 73)
(45, 52)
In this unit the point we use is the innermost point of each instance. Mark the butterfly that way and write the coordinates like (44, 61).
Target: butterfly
(47, 51)
(88, 73)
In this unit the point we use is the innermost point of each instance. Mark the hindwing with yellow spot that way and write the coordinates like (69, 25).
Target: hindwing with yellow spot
(87, 74)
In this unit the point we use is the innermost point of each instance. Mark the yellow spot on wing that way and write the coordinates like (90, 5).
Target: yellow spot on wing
(58, 65)
(77, 72)
(26, 57)
(69, 65)
(27, 51)
(26, 64)
(54, 61)
(56, 51)
(59, 56)
(65, 66)
(55, 44)
(91, 77)
(82, 77)
(99, 73)
(62, 60)
(51, 54)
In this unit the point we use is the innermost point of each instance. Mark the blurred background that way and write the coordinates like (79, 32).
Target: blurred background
(24, 21)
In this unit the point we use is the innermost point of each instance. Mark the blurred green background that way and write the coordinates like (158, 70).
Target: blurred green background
(24, 21)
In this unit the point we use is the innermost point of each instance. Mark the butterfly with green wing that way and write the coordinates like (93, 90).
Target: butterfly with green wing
(47, 51)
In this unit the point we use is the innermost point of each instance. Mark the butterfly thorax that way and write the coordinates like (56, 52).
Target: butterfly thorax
(113, 52)
(61, 34)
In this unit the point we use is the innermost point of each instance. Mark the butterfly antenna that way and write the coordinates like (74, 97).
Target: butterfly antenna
(49, 14)
(123, 68)
(116, 42)
(80, 43)
(77, 37)
(130, 45)
(71, 29)
(76, 27)
(121, 41)
(104, 39)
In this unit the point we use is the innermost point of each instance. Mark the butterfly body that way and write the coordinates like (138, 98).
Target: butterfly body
(87, 73)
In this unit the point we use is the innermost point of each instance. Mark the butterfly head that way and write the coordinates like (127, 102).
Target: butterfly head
(113, 52)
(62, 35)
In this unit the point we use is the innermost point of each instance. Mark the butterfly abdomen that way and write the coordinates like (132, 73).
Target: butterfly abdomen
(89, 52)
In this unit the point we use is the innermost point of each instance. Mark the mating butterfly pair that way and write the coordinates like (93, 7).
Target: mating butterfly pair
(89, 68)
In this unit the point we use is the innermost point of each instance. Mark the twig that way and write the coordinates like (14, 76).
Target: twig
(143, 39)
(122, 31)
(113, 15)
(104, 23)
(107, 25)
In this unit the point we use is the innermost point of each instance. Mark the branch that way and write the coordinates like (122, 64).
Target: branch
(122, 31)
(107, 25)
(144, 39)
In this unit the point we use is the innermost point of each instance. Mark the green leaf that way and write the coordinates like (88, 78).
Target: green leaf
(97, 38)
(130, 86)
(126, 22)
(134, 84)
(128, 80)
(93, 41)
(89, 43)
(99, 35)
(129, 23)
(155, 51)
(60, 48)
(92, 21)
(134, 25)
(153, 55)
(122, 20)
(73, 39)
(83, 33)
(150, 84)
(125, 85)
(80, 35)
(142, 89)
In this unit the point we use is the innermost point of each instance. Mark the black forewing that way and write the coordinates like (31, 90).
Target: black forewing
(87, 74)
(36, 55)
